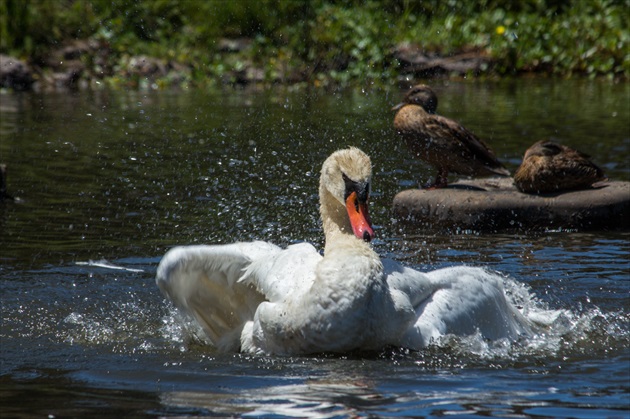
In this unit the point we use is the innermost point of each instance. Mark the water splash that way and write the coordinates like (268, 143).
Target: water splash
(107, 265)
(558, 334)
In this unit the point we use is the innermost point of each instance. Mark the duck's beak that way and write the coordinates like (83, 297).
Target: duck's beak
(359, 217)
(400, 105)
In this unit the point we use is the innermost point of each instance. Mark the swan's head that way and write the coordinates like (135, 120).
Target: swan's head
(421, 95)
(346, 175)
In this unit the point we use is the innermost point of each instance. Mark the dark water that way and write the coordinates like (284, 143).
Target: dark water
(113, 179)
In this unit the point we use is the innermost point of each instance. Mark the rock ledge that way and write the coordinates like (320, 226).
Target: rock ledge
(495, 205)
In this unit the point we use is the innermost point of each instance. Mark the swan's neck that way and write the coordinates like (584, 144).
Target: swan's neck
(349, 278)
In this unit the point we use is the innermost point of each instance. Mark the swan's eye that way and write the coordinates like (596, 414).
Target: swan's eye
(362, 189)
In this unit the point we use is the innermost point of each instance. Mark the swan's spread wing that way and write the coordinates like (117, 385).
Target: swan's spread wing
(203, 281)
(470, 300)
(222, 287)
(460, 301)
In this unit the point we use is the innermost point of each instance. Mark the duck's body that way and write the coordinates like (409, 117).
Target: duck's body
(548, 167)
(442, 142)
(258, 298)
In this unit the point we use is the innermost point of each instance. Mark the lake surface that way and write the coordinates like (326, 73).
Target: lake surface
(110, 180)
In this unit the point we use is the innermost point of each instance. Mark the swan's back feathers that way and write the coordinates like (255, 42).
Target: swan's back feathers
(203, 282)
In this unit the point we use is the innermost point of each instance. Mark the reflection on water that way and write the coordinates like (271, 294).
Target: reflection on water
(111, 180)
(313, 399)
(445, 396)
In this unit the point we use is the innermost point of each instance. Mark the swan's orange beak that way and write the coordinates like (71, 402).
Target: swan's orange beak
(359, 217)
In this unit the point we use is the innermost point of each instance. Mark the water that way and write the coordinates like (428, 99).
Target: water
(110, 180)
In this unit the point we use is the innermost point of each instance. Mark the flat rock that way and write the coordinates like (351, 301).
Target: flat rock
(495, 204)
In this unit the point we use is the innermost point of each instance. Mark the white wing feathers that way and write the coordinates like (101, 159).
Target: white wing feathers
(285, 273)
(203, 281)
(463, 301)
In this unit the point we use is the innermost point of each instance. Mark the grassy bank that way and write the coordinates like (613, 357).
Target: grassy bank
(320, 41)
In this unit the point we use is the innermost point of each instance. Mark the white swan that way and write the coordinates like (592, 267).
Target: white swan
(259, 298)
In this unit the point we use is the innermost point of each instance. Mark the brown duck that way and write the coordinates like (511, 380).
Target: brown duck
(440, 141)
(550, 167)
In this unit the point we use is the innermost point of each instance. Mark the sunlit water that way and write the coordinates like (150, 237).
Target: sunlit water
(109, 181)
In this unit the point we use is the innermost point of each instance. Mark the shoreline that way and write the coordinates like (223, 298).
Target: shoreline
(88, 64)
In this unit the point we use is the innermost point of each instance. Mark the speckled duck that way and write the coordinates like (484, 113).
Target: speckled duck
(442, 142)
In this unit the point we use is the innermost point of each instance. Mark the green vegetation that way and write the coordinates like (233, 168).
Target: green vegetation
(322, 41)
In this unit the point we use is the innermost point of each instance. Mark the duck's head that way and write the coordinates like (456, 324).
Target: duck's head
(346, 176)
(543, 149)
(421, 95)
